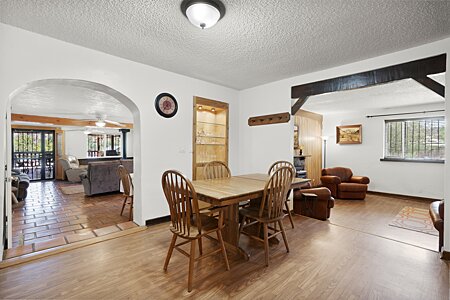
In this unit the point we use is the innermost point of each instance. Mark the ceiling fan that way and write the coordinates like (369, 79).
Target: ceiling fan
(101, 121)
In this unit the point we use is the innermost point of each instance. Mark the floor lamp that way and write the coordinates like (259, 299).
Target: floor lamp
(324, 138)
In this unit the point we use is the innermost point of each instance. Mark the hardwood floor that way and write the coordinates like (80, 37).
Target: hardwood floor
(325, 262)
(374, 214)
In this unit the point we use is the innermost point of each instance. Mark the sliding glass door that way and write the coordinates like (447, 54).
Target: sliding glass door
(33, 153)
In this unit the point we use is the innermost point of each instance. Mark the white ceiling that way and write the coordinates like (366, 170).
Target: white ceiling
(68, 101)
(398, 94)
(258, 41)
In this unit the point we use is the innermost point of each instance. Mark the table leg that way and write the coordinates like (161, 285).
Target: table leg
(231, 230)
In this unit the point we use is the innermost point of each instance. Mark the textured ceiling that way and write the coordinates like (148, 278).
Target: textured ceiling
(398, 94)
(258, 41)
(68, 101)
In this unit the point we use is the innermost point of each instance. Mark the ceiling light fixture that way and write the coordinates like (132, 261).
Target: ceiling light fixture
(100, 123)
(213, 109)
(203, 13)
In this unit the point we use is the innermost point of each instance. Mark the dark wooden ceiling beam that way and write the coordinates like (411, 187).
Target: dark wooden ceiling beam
(297, 105)
(414, 69)
(432, 85)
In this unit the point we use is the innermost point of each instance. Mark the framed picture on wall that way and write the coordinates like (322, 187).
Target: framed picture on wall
(349, 134)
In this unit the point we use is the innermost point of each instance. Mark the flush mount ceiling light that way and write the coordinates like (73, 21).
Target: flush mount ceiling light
(203, 13)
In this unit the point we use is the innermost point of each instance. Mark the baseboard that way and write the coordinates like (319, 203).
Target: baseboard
(157, 221)
(445, 255)
(402, 196)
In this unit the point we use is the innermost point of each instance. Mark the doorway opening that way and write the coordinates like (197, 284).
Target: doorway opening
(51, 122)
(386, 124)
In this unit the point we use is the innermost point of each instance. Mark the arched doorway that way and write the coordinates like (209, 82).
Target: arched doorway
(95, 91)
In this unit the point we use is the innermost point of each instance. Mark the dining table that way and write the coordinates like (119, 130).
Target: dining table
(228, 192)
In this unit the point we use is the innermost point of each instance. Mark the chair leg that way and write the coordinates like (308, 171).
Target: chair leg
(224, 251)
(258, 230)
(123, 206)
(200, 246)
(191, 265)
(289, 213)
(241, 226)
(283, 233)
(169, 253)
(131, 209)
(266, 243)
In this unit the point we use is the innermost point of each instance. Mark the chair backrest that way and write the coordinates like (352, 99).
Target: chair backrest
(275, 193)
(281, 163)
(127, 181)
(216, 169)
(182, 200)
(343, 173)
(128, 164)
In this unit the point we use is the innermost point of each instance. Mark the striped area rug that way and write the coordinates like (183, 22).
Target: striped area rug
(415, 219)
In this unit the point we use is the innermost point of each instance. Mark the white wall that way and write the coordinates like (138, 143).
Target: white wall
(76, 144)
(258, 146)
(404, 178)
(165, 143)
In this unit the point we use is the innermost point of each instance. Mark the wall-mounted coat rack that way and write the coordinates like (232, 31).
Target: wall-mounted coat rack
(269, 119)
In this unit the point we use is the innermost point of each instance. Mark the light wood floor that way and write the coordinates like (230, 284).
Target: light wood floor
(326, 262)
(374, 215)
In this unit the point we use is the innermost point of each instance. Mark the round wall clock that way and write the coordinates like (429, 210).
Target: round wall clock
(166, 105)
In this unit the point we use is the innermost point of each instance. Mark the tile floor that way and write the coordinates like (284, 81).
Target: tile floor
(48, 214)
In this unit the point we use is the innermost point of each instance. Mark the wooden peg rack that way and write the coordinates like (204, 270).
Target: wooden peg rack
(269, 119)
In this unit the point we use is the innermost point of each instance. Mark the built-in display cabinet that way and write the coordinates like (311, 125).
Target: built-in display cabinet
(210, 134)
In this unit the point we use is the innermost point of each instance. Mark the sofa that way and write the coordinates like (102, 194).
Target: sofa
(437, 217)
(343, 185)
(321, 202)
(22, 183)
(101, 177)
(71, 168)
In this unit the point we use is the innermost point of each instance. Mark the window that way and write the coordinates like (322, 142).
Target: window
(96, 145)
(415, 139)
(103, 144)
(112, 145)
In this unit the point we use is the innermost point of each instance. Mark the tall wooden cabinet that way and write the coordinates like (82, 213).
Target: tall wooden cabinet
(309, 134)
(210, 134)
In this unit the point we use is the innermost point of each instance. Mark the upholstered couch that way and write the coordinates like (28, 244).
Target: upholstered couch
(437, 216)
(102, 177)
(322, 204)
(22, 183)
(72, 169)
(343, 185)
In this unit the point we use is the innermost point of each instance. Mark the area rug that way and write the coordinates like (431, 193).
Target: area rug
(72, 189)
(415, 219)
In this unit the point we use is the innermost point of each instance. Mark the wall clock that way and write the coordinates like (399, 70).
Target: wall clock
(166, 105)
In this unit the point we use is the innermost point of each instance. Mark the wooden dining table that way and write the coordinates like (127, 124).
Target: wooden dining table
(228, 192)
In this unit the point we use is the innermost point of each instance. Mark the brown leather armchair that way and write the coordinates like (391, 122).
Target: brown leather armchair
(437, 216)
(321, 208)
(343, 185)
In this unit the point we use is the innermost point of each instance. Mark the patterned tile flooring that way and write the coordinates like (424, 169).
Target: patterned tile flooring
(47, 214)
